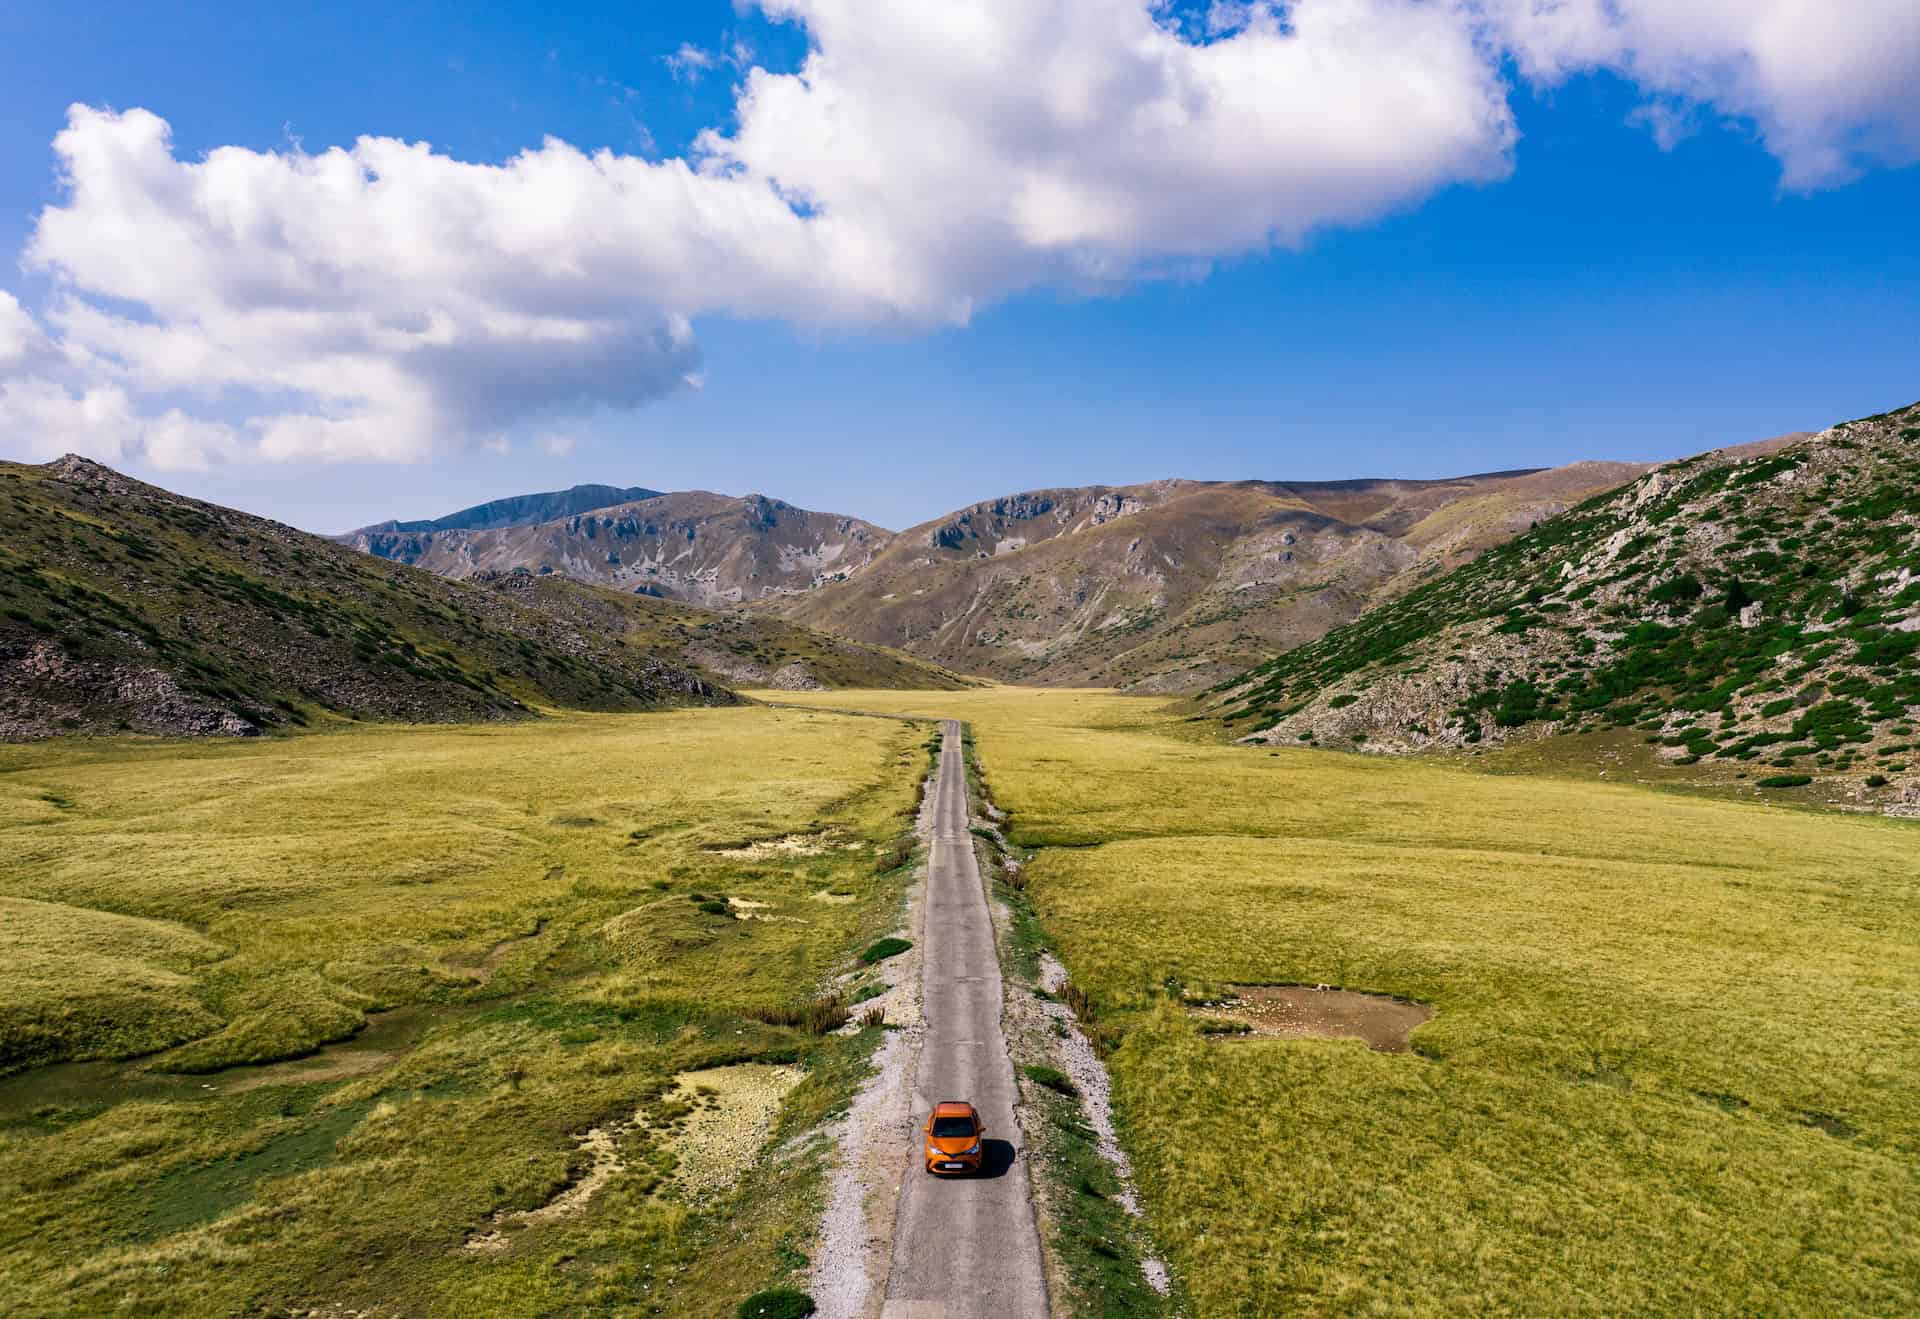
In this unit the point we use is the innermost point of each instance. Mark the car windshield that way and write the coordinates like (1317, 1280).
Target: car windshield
(953, 1126)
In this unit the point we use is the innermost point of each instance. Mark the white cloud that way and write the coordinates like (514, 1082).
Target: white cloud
(42, 419)
(555, 445)
(689, 62)
(20, 339)
(1828, 84)
(381, 301)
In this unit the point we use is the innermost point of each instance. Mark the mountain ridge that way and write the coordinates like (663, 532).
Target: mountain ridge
(515, 510)
(1027, 586)
(692, 545)
(1174, 584)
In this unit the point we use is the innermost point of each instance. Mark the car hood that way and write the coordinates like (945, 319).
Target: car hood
(951, 1144)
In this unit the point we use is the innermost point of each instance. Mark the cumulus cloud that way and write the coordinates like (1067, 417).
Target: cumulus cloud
(1828, 86)
(21, 340)
(555, 445)
(383, 301)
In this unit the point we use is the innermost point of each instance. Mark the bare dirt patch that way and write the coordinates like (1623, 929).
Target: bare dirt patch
(733, 1112)
(727, 1115)
(767, 849)
(1317, 1013)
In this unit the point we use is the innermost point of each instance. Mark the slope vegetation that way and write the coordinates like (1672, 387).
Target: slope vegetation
(1172, 585)
(126, 608)
(1759, 612)
(706, 548)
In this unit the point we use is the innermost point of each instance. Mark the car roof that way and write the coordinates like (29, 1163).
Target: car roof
(953, 1108)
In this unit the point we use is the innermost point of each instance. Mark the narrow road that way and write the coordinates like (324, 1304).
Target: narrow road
(963, 1247)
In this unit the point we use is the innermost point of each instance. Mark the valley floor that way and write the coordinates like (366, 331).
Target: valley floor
(576, 954)
(1669, 1066)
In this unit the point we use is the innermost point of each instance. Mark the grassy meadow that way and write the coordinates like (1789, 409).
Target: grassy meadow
(1671, 1066)
(533, 929)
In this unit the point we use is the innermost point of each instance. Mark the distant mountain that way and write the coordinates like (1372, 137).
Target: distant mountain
(517, 510)
(1754, 609)
(695, 546)
(124, 607)
(730, 647)
(1172, 585)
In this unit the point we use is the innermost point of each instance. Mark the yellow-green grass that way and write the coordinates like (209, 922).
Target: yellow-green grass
(528, 890)
(1671, 1067)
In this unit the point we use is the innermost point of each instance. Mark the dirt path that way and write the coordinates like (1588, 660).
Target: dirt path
(963, 1247)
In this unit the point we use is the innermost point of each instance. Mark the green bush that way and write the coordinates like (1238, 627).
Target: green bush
(776, 1303)
(1680, 590)
(882, 949)
(1342, 701)
(1786, 781)
(1877, 780)
(1050, 1077)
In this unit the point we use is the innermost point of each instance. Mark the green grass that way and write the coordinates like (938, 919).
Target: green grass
(1669, 1066)
(881, 949)
(234, 902)
(1051, 1077)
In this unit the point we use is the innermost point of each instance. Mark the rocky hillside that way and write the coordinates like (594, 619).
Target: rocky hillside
(1172, 585)
(730, 647)
(126, 608)
(518, 510)
(1755, 612)
(705, 548)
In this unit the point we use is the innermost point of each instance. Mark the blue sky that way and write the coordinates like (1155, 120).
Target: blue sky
(1607, 298)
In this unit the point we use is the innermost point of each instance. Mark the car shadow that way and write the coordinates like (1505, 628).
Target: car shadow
(996, 1158)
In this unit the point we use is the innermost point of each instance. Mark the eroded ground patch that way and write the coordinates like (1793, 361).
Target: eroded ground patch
(1315, 1013)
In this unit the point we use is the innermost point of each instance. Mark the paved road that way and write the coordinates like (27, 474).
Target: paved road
(963, 1247)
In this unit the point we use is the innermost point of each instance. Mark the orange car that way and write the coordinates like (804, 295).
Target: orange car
(955, 1137)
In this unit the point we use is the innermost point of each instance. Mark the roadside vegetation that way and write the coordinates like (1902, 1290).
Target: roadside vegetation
(1668, 1068)
(535, 943)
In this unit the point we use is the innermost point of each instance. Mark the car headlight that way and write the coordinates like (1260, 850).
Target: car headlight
(972, 1149)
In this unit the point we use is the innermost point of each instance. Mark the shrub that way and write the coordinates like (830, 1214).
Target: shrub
(820, 1016)
(1342, 701)
(1877, 780)
(882, 949)
(1050, 1077)
(776, 1303)
(1786, 781)
(1682, 589)
(1220, 1026)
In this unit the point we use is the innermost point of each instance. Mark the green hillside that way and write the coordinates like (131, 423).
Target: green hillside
(1759, 613)
(126, 608)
